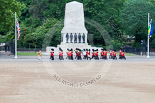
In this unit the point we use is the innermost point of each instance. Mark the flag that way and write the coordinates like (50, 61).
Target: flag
(18, 28)
(150, 29)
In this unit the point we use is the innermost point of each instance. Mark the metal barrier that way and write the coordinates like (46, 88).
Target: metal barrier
(139, 51)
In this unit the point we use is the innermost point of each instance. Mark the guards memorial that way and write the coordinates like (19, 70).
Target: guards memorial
(74, 33)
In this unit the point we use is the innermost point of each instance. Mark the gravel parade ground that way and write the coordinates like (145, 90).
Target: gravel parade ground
(28, 80)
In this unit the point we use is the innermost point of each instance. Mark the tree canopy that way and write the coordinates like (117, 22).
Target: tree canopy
(119, 18)
(134, 18)
(7, 12)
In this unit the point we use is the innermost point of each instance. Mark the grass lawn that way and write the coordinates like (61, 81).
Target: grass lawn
(27, 53)
(127, 54)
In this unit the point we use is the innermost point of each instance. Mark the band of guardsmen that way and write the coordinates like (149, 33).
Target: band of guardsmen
(87, 54)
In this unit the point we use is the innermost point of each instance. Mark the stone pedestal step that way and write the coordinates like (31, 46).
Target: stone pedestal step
(69, 46)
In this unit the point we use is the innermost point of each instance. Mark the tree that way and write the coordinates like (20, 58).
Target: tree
(35, 39)
(118, 17)
(104, 11)
(135, 20)
(37, 8)
(7, 11)
(152, 1)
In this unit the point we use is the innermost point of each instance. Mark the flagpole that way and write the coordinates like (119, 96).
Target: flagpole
(148, 45)
(15, 38)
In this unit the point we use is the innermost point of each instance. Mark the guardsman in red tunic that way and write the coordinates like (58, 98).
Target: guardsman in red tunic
(93, 53)
(61, 54)
(96, 54)
(76, 52)
(68, 57)
(52, 54)
(84, 54)
(79, 55)
(102, 54)
(120, 54)
(88, 54)
(71, 54)
(105, 54)
(114, 55)
(123, 55)
(110, 56)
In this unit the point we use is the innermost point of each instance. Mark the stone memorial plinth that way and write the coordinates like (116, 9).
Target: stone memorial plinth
(74, 33)
(74, 30)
